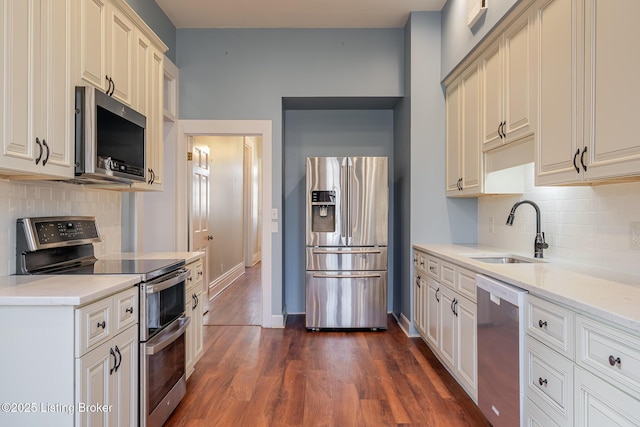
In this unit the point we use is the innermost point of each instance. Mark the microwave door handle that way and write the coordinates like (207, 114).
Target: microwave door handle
(161, 285)
(166, 337)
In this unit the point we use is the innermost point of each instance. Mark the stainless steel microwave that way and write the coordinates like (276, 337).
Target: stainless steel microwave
(109, 139)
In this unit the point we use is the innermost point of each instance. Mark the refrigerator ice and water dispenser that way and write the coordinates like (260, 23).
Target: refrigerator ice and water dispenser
(323, 206)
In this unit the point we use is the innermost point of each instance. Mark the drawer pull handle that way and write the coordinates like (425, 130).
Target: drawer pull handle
(541, 323)
(542, 382)
(199, 273)
(129, 310)
(102, 325)
(614, 360)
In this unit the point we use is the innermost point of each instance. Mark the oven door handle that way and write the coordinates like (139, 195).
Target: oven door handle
(162, 283)
(168, 336)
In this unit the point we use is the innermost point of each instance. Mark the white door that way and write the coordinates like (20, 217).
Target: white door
(199, 211)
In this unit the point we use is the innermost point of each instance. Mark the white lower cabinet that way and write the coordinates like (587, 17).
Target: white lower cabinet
(448, 318)
(107, 381)
(194, 295)
(600, 404)
(599, 385)
(74, 366)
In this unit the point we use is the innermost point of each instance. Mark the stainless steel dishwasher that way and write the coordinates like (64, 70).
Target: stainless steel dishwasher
(500, 351)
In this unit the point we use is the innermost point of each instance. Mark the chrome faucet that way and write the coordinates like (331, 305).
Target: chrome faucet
(539, 244)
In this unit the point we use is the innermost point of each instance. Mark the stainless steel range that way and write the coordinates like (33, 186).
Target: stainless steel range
(64, 245)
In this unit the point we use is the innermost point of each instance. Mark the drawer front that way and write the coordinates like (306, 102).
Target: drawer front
(549, 381)
(93, 325)
(466, 283)
(600, 404)
(197, 275)
(611, 354)
(551, 324)
(448, 275)
(535, 417)
(126, 305)
(346, 259)
(433, 267)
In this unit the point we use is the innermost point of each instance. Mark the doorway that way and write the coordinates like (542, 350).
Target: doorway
(261, 129)
(225, 207)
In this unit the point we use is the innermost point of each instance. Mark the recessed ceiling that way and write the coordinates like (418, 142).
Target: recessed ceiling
(294, 13)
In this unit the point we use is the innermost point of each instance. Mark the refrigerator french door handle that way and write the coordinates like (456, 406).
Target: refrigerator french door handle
(341, 252)
(343, 199)
(349, 199)
(346, 276)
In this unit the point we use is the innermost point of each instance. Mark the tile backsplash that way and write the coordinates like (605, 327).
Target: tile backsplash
(586, 224)
(27, 199)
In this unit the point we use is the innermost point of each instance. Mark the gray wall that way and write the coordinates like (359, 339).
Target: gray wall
(425, 214)
(155, 18)
(325, 133)
(228, 74)
(457, 38)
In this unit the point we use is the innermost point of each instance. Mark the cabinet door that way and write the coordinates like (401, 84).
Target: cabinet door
(557, 136)
(453, 138)
(154, 118)
(600, 404)
(53, 104)
(124, 389)
(447, 327)
(93, 382)
(471, 155)
(141, 64)
(467, 345)
(198, 330)
(92, 38)
(519, 94)
(189, 335)
(432, 318)
(120, 54)
(19, 35)
(492, 96)
(612, 88)
(419, 303)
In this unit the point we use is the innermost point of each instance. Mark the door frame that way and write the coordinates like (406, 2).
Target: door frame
(262, 128)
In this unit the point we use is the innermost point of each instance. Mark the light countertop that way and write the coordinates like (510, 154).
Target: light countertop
(606, 294)
(74, 290)
(187, 256)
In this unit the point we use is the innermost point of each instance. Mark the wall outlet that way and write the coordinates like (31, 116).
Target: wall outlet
(635, 235)
(491, 224)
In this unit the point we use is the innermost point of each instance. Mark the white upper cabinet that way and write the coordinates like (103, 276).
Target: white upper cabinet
(464, 155)
(36, 104)
(106, 48)
(558, 134)
(611, 88)
(588, 91)
(508, 86)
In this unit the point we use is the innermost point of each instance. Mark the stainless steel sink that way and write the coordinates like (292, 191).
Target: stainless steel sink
(503, 260)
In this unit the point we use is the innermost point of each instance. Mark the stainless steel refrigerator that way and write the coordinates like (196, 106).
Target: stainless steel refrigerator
(346, 242)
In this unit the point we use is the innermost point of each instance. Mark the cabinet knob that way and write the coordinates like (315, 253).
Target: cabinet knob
(199, 273)
(129, 310)
(614, 360)
(541, 323)
(542, 382)
(102, 324)
(209, 237)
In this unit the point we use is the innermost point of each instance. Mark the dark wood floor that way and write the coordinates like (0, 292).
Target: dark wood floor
(239, 304)
(251, 376)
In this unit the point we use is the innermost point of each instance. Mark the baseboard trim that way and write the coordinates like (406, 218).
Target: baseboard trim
(223, 282)
(278, 321)
(405, 325)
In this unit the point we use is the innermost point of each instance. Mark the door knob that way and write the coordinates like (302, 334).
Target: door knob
(209, 237)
